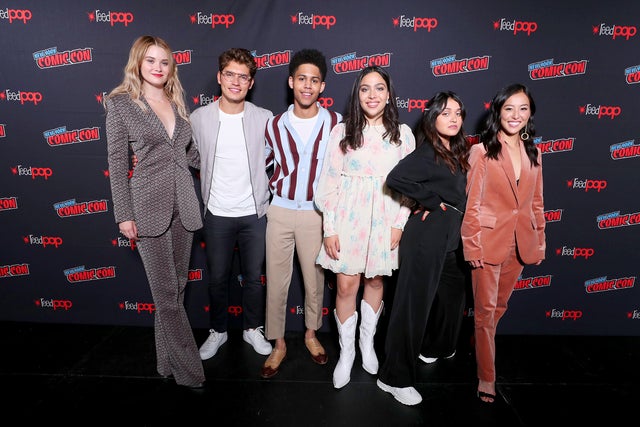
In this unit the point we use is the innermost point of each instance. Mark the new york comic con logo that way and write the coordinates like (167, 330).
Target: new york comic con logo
(617, 220)
(3, 130)
(51, 58)
(16, 15)
(624, 150)
(554, 145)
(316, 21)
(8, 203)
(415, 23)
(632, 75)
(270, 60)
(83, 274)
(212, 19)
(110, 17)
(533, 282)
(603, 284)
(547, 69)
(351, 62)
(70, 208)
(61, 136)
(615, 31)
(515, 26)
(449, 65)
(14, 270)
(553, 215)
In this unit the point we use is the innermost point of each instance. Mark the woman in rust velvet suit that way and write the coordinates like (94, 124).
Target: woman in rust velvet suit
(157, 206)
(503, 227)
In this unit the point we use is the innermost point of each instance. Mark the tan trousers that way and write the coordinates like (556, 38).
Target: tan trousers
(492, 288)
(289, 230)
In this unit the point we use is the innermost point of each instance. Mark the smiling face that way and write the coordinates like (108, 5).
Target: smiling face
(307, 85)
(373, 94)
(155, 67)
(515, 113)
(235, 81)
(449, 121)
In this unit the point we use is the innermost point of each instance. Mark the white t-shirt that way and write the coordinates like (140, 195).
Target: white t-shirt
(304, 127)
(231, 194)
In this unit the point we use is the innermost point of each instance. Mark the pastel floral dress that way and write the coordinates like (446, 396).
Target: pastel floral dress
(358, 206)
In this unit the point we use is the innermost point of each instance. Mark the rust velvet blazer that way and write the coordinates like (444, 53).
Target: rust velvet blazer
(498, 207)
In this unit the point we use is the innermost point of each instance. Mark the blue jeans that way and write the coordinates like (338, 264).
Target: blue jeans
(221, 235)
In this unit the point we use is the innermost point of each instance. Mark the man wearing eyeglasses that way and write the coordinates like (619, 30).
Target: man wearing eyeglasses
(230, 136)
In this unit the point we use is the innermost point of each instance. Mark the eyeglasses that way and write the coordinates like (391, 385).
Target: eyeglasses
(230, 77)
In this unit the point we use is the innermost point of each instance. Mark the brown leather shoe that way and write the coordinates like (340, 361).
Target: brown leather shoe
(317, 351)
(272, 364)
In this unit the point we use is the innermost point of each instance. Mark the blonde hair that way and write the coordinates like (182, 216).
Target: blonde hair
(132, 81)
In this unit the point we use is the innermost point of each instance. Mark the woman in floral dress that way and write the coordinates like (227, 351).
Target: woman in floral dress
(362, 218)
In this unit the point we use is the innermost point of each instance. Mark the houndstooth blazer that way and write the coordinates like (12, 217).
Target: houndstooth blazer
(161, 178)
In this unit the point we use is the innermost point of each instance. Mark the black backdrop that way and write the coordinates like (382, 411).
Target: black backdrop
(62, 259)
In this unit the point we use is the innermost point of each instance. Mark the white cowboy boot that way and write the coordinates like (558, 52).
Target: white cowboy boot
(347, 339)
(368, 324)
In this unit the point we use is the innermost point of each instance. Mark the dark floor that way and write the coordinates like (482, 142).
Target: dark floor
(99, 375)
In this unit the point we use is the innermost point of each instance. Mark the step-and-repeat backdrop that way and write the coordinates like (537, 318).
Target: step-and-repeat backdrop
(62, 259)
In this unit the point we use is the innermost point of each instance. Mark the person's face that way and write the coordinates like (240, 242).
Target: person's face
(155, 67)
(373, 94)
(449, 121)
(235, 82)
(307, 85)
(515, 113)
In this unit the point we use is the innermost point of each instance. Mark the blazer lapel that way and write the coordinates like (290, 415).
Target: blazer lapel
(507, 167)
(156, 124)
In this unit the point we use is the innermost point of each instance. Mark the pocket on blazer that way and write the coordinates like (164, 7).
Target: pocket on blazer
(487, 221)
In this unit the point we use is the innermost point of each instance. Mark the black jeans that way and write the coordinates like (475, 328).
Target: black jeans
(221, 235)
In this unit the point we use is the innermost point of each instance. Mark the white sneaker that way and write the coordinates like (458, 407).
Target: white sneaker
(405, 395)
(255, 337)
(212, 344)
(429, 360)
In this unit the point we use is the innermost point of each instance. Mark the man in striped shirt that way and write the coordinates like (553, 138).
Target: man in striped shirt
(298, 139)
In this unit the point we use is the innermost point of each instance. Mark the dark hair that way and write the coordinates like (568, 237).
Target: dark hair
(308, 56)
(239, 55)
(458, 153)
(489, 135)
(354, 120)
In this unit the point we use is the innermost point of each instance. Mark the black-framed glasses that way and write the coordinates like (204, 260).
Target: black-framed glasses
(230, 77)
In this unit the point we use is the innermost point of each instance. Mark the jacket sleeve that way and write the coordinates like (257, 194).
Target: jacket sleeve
(411, 178)
(471, 230)
(408, 146)
(538, 210)
(327, 192)
(118, 159)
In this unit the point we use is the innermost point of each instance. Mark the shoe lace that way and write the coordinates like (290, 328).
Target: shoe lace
(260, 330)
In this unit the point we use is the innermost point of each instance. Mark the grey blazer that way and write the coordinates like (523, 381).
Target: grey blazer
(161, 179)
(205, 122)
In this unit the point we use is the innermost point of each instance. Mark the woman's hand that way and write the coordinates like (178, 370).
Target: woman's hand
(128, 229)
(332, 246)
(396, 234)
(476, 263)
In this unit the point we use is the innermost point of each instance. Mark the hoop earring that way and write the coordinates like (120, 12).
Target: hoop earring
(524, 135)
(387, 100)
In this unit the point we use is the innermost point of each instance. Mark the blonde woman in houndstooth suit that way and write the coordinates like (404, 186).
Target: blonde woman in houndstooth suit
(157, 207)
